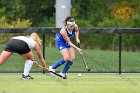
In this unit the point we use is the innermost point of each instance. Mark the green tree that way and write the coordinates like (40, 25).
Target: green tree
(11, 9)
(38, 10)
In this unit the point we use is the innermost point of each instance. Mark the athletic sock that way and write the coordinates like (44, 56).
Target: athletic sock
(66, 67)
(28, 65)
(58, 63)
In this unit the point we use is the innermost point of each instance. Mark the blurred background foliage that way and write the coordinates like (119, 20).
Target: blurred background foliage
(88, 14)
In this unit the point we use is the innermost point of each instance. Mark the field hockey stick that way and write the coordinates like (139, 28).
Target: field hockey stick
(83, 58)
(52, 72)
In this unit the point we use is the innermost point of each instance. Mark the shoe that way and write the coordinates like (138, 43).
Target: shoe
(26, 77)
(54, 70)
(63, 75)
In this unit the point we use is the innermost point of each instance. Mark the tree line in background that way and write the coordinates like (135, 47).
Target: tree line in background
(88, 14)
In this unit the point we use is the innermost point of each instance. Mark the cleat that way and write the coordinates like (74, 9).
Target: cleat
(26, 77)
(64, 76)
(53, 70)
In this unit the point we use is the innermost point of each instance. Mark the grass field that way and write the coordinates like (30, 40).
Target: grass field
(87, 83)
(99, 61)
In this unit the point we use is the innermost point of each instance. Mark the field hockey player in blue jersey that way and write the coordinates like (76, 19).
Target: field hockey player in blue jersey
(65, 45)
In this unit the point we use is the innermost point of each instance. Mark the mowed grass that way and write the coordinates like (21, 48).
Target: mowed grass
(87, 83)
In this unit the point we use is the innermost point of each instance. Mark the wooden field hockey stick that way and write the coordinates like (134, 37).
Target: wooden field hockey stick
(83, 58)
(52, 72)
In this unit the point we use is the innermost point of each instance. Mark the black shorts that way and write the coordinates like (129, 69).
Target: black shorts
(17, 46)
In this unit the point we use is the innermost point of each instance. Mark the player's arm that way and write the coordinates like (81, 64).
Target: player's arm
(39, 54)
(77, 34)
(64, 34)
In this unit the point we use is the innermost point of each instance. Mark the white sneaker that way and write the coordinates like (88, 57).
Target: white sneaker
(64, 75)
(54, 70)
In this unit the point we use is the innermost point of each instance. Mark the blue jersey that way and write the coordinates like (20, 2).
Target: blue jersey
(60, 41)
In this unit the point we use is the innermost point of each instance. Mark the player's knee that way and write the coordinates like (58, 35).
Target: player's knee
(72, 58)
(28, 56)
(31, 56)
(66, 58)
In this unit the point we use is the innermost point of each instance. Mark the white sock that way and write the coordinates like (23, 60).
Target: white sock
(28, 65)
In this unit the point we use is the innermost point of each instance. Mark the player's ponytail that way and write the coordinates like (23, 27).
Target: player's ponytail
(36, 38)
